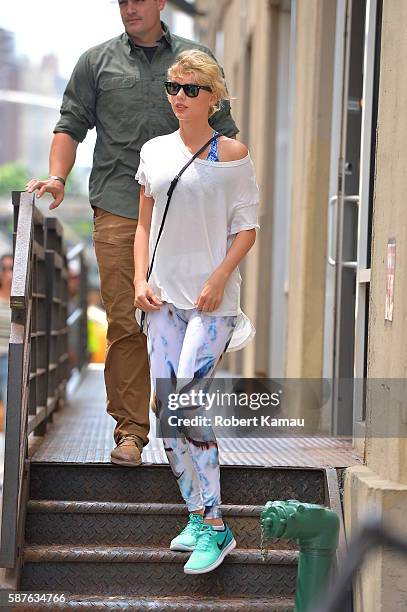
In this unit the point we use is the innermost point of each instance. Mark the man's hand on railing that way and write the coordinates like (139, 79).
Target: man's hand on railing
(50, 185)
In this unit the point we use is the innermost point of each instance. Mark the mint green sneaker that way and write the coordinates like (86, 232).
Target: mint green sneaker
(186, 540)
(210, 550)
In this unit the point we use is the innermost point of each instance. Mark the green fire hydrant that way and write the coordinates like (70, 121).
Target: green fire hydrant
(315, 530)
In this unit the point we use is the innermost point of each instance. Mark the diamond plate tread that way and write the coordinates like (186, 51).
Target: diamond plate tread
(83, 433)
(156, 484)
(80, 507)
(138, 554)
(130, 524)
(169, 604)
(155, 573)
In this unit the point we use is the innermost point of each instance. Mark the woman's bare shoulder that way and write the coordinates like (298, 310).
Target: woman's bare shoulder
(230, 149)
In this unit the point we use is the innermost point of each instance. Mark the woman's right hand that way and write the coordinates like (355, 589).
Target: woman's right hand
(145, 298)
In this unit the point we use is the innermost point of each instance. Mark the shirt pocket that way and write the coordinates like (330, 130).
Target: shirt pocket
(159, 93)
(120, 95)
(160, 109)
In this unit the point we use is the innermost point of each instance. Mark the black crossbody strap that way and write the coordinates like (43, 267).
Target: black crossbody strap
(169, 196)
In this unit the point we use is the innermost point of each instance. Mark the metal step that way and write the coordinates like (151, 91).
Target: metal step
(171, 604)
(107, 523)
(156, 484)
(155, 572)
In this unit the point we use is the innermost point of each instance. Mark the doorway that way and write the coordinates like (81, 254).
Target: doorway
(349, 210)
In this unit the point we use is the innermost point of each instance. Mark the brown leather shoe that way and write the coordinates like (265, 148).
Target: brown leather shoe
(128, 451)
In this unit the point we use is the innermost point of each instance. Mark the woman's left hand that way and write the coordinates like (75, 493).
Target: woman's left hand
(211, 295)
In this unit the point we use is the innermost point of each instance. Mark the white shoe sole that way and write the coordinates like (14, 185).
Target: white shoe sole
(228, 549)
(182, 548)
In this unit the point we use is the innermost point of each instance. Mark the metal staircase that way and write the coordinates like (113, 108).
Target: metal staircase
(101, 534)
(98, 535)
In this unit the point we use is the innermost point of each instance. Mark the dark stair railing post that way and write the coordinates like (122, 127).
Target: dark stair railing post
(316, 531)
(77, 320)
(38, 358)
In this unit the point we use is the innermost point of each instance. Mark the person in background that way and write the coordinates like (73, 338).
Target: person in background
(97, 327)
(118, 86)
(6, 276)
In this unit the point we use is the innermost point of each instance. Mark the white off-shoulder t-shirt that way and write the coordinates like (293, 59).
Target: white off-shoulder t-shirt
(211, 203)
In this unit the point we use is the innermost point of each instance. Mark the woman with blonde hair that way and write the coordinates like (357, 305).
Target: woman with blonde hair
(187, 281)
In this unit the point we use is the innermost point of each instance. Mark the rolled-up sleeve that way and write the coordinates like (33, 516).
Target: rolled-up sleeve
(142, 174)
(78, 110)
(245, 217)
(244, 209)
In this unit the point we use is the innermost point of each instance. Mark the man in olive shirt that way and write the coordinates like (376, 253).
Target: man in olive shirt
(118, 87)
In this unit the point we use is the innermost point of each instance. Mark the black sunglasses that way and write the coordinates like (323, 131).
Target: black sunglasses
(191, 90)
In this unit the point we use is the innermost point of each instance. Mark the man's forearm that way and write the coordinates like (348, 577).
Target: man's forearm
(62, 155)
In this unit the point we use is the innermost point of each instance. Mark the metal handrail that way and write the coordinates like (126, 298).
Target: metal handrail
(371, 535)
(39, 366)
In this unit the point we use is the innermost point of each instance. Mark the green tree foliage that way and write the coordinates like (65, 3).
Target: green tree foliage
(12, 177)
(15, 176)
(73, 186)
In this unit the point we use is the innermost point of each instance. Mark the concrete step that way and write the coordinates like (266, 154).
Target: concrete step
(155, 572)
(110, 523)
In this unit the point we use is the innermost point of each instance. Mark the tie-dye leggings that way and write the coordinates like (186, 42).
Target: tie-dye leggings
(184, 346)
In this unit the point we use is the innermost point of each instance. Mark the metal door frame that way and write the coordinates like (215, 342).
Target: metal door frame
(337, 200)
(338, 129)
(363, 272)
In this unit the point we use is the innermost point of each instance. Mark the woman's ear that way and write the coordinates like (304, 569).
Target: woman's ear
(214, 99)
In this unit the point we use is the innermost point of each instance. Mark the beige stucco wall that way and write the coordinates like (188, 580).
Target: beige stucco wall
(257, 20)
(312, 116)
(387, 357)
(382, 484)
(241, 22)
(381, 585)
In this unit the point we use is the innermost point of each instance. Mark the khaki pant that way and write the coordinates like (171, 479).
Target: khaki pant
(127, 374)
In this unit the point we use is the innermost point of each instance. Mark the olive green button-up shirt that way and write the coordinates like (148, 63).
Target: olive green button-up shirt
(115, 88)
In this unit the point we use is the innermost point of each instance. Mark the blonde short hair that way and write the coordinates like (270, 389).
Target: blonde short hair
(206, 71)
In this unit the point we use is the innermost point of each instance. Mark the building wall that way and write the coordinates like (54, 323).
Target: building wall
(9, 113)
(387, 357)
(253, 34)
(249, 35)
(381, 485)
(35, 143)
(315, 36)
